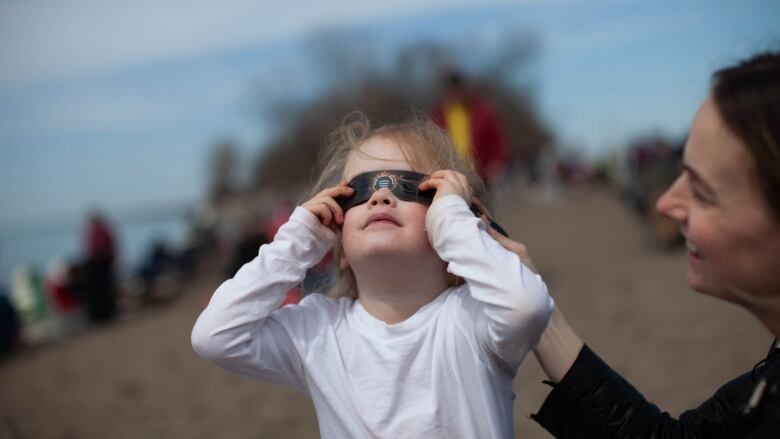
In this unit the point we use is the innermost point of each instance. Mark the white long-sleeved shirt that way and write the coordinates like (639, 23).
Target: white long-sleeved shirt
(445, 372)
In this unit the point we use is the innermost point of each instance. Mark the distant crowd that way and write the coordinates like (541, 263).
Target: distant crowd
(88, 291)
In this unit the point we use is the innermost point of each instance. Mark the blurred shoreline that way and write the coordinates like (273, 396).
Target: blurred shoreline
(40, 243)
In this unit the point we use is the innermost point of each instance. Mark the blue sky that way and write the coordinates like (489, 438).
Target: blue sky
(117, 104)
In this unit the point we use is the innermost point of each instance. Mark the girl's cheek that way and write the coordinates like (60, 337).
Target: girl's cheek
(348, 226)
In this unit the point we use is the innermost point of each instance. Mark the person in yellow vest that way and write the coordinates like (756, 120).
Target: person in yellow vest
(474, 127)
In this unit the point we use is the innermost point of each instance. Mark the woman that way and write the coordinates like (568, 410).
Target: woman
(727, 202)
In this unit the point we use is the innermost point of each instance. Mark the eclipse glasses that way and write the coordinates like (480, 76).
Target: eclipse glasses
(403, 184)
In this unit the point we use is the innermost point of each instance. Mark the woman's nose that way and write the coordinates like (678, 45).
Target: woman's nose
(672, 202)
(382, 197)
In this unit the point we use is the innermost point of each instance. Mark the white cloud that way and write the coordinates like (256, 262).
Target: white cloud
(109, 107)
(609, 31)
(50, 39)
(89, 113)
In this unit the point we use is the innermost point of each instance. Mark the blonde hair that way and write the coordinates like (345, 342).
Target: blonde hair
(425, 146)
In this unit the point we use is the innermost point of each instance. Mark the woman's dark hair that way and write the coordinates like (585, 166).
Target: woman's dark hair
(748, 98)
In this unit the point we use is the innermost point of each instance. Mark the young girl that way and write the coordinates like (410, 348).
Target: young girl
(428, 319)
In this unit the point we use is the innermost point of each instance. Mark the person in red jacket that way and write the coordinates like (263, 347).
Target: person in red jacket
(474, 127)
(99, 286)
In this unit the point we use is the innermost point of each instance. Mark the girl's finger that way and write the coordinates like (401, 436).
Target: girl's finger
(457, 179)
(345, 188)
(334, 191)
(431, 183)
(324, 213)
(334, 209)
(462, 180)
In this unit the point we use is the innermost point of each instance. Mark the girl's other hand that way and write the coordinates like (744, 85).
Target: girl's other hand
(325, 206)
(448, 182)
(513, 246)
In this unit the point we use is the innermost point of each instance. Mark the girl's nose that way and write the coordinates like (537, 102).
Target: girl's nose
(382, 197)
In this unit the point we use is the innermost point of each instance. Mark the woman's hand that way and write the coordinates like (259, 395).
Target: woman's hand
(560, 345)
(448, 182)
(325, 206)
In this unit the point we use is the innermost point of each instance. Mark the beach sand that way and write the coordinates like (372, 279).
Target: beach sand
(139, 378)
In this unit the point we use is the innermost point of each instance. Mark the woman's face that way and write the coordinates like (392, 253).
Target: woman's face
(733, 241)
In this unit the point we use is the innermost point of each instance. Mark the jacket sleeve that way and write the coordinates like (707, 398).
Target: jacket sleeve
(509, 306)
(594, 401)
(493, 150)
(242, 329)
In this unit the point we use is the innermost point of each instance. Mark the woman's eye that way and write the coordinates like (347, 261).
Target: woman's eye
(699, 195)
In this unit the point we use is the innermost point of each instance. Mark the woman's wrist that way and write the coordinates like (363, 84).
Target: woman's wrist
(558, 347)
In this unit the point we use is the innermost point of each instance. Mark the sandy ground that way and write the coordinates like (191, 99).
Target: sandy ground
(138, 378)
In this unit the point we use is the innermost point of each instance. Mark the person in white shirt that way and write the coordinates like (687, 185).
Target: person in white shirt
(429, 317)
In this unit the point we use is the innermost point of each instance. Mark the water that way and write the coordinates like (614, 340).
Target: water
(41, 245)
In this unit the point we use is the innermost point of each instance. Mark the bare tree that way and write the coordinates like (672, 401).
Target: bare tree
(222, 171)
(356, 76)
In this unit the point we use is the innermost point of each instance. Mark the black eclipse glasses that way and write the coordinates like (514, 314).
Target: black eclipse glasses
(403, 184)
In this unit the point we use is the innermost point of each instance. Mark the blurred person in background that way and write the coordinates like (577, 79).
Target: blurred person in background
(727, 202)
(65, 299)
(474, 127)
(251, 236)
(9, 326)
(28, 295)
(99, 282)
(160, 261)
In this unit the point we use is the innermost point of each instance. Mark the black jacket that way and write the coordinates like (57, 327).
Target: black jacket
(594, 401)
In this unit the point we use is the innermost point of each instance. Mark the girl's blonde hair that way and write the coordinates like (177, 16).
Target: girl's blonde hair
(425, 146)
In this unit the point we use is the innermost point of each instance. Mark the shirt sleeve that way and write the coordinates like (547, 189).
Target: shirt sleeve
(509, 302)
(242, 329)
(594, 401)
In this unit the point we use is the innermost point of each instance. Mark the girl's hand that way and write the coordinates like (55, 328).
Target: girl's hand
(325, 206)
(448, 182)
(513, 246)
